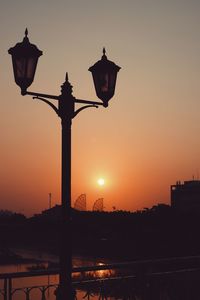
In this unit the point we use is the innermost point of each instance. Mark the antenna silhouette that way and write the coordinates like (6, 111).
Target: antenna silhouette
(50, 200)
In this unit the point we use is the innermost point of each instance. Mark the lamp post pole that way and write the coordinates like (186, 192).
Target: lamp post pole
(66, 112)
(65, 287)
(24, 58)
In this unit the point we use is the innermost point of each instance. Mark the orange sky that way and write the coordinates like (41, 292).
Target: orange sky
(148, 137)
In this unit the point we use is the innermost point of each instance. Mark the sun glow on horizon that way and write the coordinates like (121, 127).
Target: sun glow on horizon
(101, 181)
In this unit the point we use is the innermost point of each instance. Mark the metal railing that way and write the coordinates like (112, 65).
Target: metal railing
(161, 279)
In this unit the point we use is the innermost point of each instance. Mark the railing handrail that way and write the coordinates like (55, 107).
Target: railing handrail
(100, 267)
(29, 273)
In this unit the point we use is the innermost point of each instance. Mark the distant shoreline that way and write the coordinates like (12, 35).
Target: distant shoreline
(8, 257)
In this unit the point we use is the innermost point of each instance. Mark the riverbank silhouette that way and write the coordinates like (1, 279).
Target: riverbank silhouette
(151, 233)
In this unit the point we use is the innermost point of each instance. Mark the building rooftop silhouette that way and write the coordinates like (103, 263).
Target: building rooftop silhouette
(185, 196)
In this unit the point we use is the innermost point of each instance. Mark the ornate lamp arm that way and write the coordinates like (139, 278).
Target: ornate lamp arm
(54, 97)
(88, 102)
(48, 102)
(66, 101)
(82, 108)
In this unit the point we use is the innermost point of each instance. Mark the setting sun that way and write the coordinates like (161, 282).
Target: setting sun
(101, 181)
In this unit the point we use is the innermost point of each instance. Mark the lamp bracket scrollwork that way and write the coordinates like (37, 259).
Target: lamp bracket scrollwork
(48, 102)
(82, 108)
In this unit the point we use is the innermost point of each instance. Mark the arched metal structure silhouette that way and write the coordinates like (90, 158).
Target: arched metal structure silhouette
(80, 203)
(98, 205)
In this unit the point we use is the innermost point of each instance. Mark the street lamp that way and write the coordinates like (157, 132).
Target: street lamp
(24, 58)
(104, 74)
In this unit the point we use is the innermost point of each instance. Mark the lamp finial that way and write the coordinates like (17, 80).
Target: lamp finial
(66, 87)
(26, 32)
(104, 54)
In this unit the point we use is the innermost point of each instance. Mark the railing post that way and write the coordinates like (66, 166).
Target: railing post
(5, 289)
(10, 289)
(27, 292)
(43, 294)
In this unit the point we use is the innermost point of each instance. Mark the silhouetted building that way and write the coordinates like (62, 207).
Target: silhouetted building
(52, 213)
(185, 197)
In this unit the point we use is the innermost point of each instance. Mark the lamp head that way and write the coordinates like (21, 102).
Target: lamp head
(104, 74)
(24, 58)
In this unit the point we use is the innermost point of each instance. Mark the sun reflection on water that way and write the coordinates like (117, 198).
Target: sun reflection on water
(94, 274)
(104, 273)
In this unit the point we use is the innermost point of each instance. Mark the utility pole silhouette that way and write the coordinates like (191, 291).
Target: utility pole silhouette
(50, 200)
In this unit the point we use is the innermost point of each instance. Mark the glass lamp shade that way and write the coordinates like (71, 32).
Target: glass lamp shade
(24, 58)
(104, 74)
